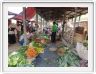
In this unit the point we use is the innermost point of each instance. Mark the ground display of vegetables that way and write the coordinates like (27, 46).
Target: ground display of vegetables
(27, 56)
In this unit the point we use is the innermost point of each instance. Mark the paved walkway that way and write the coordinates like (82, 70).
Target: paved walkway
(48, 58)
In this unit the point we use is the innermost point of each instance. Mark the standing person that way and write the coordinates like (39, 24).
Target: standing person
(31, 27)
(54, 30)
(18, 28)
(11, 33)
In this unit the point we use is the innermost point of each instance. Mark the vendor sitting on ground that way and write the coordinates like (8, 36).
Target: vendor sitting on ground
(29, 35)
(21, 39)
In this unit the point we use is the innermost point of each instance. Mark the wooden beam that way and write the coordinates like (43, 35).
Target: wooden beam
(53, 11)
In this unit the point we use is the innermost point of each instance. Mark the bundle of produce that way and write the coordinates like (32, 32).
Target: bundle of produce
(85, 43)
(61, 50)
(39, 50)
(31, 52)
(44, 36)
(16, 59)
(37, 46)
(22, 50)
(68, 59)
(43, 41)
(37, 40)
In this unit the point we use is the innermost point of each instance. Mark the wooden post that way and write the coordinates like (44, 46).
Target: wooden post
(41, 24)
(72, 19)
(79, 20)
(46, 24)
(63, 26)
(74, 24)
(36, 18)
(24, 25)
(37, 21)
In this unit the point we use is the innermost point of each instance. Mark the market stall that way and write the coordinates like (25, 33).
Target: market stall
(38, 50)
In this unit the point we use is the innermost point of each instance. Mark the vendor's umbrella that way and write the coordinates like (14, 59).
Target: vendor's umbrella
(17, 17)
(30, 12)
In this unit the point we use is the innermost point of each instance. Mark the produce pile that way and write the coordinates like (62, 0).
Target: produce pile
(32, 50)
(18, 58)
(67, 58)
(41, 38)
(85, 43)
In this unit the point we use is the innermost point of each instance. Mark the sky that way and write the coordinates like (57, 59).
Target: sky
(16, 10)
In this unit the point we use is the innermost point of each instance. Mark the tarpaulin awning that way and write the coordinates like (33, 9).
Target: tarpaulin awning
(30, 12)
(11, 13)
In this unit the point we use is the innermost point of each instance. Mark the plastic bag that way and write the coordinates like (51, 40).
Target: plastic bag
(82, 51)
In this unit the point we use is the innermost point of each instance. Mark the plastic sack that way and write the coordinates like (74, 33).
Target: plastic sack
(82, 51)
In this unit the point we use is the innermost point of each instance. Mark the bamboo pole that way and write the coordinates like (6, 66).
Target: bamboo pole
(24, 25)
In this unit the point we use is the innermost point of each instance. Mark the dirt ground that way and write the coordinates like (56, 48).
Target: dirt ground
(13, 47)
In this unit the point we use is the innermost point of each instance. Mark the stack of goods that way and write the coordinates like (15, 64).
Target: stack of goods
(18, 59)
(82, 51)
(79, 34)
(38, 47)
(27, 54)
(67, 58)
(42, 38)
(79, 37)
(31, 54)
(61, 50)
(79, 30)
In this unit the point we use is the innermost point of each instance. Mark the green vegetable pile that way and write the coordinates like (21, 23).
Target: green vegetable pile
(85, 43)
(18, 59)
(35, 44)
(38, 46)
(44, 36)
(69, 59)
